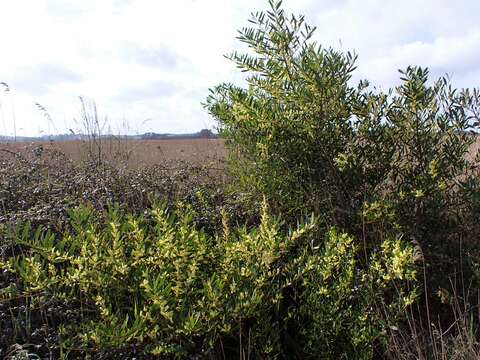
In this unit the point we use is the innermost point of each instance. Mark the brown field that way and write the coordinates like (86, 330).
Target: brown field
(475, 148)
(210, 152)
(134, 153)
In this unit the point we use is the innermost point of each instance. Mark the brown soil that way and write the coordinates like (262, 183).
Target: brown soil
(209, 152)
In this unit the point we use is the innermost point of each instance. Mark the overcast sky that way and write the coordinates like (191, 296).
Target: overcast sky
(148, 64)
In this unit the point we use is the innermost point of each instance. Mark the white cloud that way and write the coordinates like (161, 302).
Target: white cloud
(456, 56)
(40, 78)
(388, 35)
(156, 59)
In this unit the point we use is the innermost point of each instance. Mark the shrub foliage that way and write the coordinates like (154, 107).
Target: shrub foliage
(160, 285)
(303, 135)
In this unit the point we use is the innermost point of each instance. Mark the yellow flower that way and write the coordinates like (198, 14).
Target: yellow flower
(419, 194)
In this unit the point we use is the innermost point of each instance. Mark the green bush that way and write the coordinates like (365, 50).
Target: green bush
(411, 149)
(304, 136)
(345, 309)
(285, 129)
(159, 285)
(373, 164)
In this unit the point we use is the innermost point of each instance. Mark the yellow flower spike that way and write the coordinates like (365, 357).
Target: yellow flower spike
(418, 194)
(442, 185)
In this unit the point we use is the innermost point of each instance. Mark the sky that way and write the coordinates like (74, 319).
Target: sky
(148, 64)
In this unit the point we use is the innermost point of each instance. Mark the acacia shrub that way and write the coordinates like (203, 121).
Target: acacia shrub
(288, 125)
(302, 135)
(375, 164)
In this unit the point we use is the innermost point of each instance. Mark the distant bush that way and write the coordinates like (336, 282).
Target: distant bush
(159, 285)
